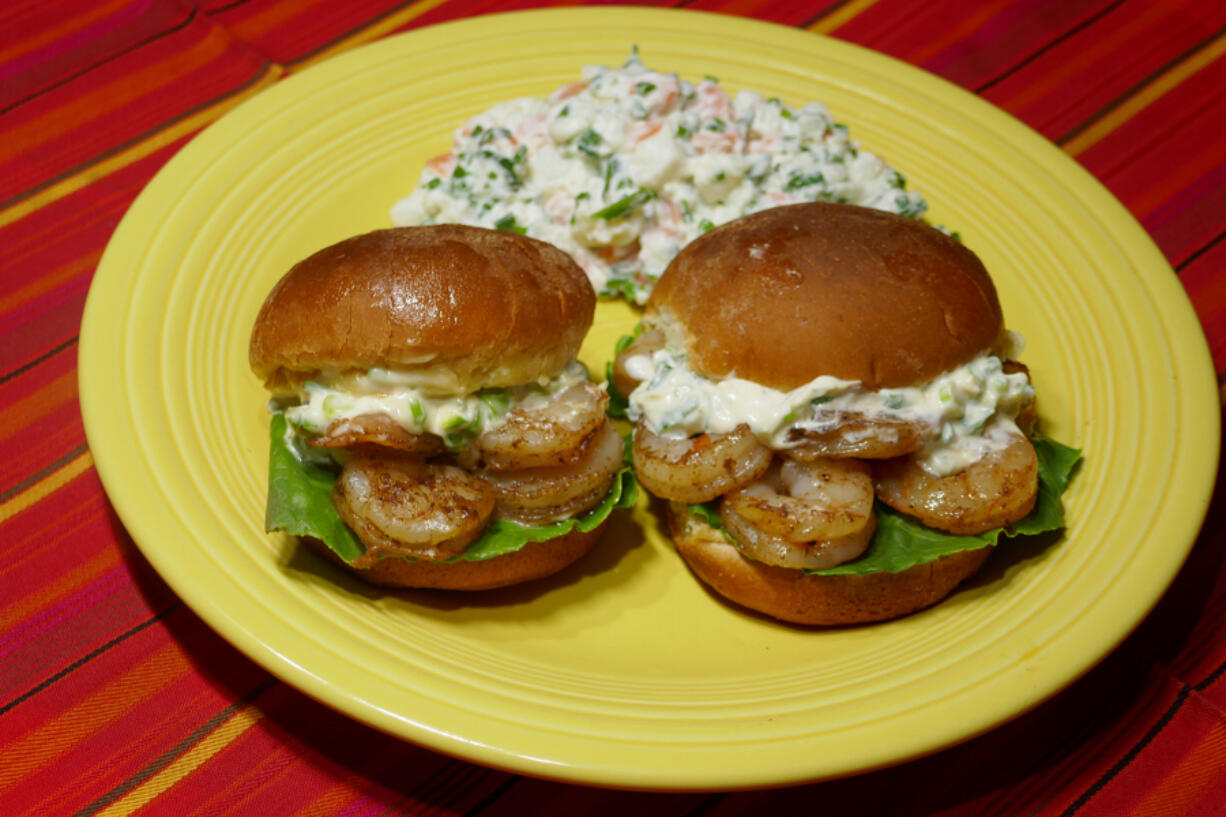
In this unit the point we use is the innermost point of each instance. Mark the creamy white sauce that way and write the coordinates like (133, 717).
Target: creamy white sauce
(966, 411)
(419, 409)
(626, 167)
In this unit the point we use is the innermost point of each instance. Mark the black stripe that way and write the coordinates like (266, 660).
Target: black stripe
(1212, 243)
(86, 659)
(133, 47)
(262, 72)
(225, 8)
(46, 356)
(1077, 29)
(1123, 762)
(1132, 91)
(43, 472)
(831, 9)
(1167, 716)
(351, 32)
(177, 750)
(489, 799)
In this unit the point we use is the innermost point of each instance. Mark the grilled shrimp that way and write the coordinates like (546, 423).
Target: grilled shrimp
(804, 515)
(700, 468)
(551, 435)
(857, 436)
(998, 489)
(409, 508)
(378, 430)
(541, 495)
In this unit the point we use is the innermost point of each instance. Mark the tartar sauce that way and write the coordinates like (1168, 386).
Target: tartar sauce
(627, 166)
(456, 418)
(966, 411)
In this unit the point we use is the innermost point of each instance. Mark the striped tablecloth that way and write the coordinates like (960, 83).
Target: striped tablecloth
(116, 699)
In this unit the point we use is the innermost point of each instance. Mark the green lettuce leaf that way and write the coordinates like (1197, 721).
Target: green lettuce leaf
(300, 494)
(900, 542)
(618, 402)
(502, 537)
(300, 504)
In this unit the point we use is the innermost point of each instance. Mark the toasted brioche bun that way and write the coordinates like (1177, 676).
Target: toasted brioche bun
(460, 307)
(533, 561)
(792, 595)
(785, 295)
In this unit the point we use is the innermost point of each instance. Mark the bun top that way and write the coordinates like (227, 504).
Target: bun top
(784, 295)
(459, 308)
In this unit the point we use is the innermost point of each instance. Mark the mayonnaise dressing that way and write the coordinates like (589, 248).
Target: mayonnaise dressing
(418, 409)
(966, 411)
(626, 167)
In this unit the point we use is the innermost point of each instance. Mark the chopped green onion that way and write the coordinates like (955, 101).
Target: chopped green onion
(507, 224)
(797, 181)
(498, 400)
(625, 205)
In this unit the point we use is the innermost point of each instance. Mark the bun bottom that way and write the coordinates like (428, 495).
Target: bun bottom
(792, 595)
(533, 561)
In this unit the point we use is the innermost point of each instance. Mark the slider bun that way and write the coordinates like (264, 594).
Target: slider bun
(533, 561)
(459, 307)
(792, 595)
(790, 293)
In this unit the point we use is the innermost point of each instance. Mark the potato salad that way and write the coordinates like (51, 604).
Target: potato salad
(625, 167)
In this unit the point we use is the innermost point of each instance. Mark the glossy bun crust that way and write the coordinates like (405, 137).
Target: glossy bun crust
(794, 596)
(533, 561)
(463, 306)
(790, 293)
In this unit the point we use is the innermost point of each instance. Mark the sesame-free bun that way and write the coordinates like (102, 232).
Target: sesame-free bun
(533, 561)
(792, 595)
(460, 307)
(784, 295)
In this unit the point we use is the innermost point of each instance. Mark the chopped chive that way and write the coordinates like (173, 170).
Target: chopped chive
(507, 224)
(625, 204)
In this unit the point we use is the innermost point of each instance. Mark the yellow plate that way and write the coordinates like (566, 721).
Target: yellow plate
(623, 671)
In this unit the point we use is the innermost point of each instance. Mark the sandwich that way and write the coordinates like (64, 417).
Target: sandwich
(828, 400)
(431, 425)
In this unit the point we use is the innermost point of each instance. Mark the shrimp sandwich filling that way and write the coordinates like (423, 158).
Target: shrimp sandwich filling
(828, 398)
(431, 425)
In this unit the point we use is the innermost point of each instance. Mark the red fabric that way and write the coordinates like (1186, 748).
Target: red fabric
(107, 679)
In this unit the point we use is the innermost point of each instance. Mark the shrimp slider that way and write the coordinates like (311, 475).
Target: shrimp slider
(431, 425)
(825, 395)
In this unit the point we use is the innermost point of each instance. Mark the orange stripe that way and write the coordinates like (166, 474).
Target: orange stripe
(41, 746)
(968, 25)
(1080, 62)
(137, 151)
(155, 75)
(80, 18)
(1189, 168)
(1187, 785)
(81, 574)
(20, 413)
(374, 31)
(48, 280)
(840, 16)
(1148, 94)
(186, 763)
